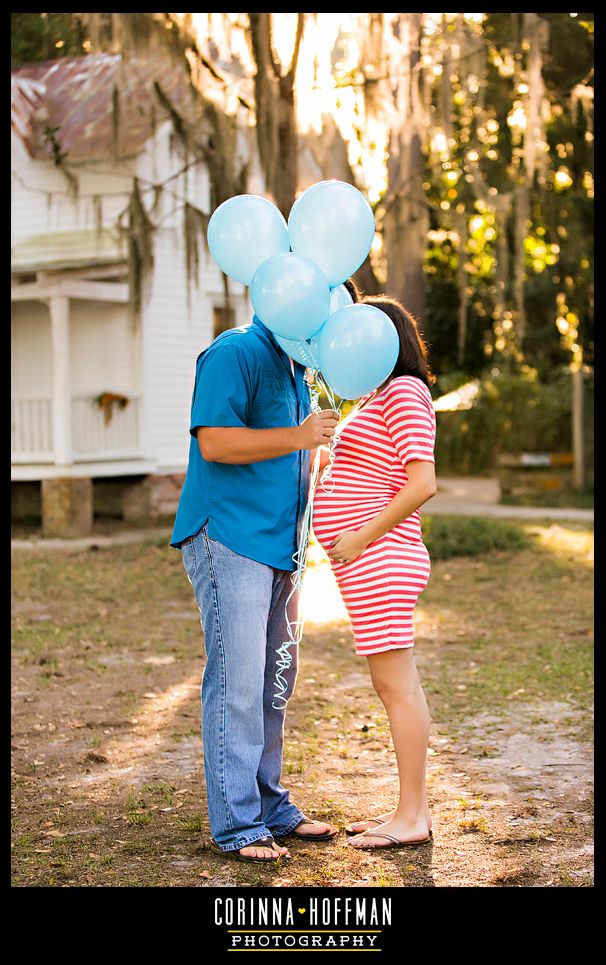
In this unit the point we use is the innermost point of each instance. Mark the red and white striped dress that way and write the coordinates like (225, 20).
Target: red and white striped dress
(374, 445)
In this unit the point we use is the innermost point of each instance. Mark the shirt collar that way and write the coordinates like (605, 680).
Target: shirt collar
(283, 355)
(257, 321)
(268, 334)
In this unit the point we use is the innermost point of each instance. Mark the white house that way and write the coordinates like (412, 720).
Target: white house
(72, 337)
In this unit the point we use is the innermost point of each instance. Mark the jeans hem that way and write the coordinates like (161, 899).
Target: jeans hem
(243, 842)
(289, 827)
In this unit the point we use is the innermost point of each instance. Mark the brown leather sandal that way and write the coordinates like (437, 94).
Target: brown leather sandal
(266, 842)
(326, 836)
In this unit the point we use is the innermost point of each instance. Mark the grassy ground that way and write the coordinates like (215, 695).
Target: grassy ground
(108, 777)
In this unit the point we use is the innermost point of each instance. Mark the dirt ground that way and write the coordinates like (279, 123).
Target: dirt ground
(108, 777)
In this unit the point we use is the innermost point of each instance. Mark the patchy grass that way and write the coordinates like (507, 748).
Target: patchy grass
(527, 624)
(108, 782)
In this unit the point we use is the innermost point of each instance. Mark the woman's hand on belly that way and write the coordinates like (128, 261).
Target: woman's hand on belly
(347, 546)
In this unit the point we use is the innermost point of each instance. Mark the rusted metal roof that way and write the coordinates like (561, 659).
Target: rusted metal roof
(76, 95)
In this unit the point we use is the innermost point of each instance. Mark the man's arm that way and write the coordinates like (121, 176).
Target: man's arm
(240, 446)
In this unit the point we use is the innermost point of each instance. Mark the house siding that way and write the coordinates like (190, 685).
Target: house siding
(158, 362)
(173, 333)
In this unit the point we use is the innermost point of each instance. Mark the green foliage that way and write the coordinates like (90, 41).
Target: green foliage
(34, 37)
(440, 328)
(449, 536)
(513, 412)
(482, 172)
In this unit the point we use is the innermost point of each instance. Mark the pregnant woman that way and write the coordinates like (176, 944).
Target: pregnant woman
(366, 517)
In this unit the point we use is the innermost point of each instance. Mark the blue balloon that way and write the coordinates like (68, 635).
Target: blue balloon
(243, 232)
(332, 223)
(291, 296)
(358, 348)
(339, 298)
(305, 352)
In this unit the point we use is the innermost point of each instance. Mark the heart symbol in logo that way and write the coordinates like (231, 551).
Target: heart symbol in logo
(301, 910)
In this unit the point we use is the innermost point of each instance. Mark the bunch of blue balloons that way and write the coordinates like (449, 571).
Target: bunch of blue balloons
(296, 272)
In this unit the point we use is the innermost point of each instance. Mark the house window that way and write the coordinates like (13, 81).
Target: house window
(223, 318)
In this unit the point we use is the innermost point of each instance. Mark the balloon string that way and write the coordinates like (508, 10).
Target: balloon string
(295, 627)
(327, 482)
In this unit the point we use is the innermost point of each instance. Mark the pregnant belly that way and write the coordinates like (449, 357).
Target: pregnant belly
(336, 512)
(333, 514)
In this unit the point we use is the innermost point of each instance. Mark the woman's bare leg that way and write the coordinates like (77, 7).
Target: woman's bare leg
(396, 681)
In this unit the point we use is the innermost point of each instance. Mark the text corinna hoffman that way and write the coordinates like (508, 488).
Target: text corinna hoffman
(306, 913)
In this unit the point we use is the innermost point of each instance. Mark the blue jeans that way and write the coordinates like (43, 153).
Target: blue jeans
(242, 605)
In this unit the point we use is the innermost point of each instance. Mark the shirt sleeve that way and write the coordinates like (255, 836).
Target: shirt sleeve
(222, 389)
(410, 419)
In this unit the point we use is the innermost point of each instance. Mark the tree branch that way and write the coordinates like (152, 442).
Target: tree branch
(295, 56)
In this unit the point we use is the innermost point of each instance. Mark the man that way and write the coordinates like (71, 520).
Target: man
(237, 525)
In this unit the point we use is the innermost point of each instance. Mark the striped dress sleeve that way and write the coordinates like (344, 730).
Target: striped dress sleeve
(410, 418)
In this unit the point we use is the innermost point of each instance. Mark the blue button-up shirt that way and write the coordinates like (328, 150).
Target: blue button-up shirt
(245, 379)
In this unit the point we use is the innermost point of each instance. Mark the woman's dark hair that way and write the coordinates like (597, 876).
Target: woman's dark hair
(353, 290)
(412, 357)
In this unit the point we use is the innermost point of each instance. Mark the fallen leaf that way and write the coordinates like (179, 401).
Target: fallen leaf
(205, 874)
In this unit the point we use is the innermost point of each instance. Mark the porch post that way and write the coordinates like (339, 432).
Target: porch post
(67, 503)
(62, 408)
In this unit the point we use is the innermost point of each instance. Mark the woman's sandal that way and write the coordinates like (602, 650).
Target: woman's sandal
(396, 843)
(349, 829)
(326, 836)
(266, 842)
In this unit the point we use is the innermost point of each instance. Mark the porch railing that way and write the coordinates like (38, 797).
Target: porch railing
(31, 430)
(92, 438)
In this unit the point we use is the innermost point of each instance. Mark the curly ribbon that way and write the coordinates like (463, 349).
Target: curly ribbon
(295, 627)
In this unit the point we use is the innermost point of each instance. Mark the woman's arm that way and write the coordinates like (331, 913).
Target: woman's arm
(420, 487)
